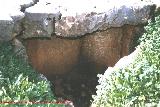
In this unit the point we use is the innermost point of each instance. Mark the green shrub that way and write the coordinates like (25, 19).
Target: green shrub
(138, 84)
(20, 83)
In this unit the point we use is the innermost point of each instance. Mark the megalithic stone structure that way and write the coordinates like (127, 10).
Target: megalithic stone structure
(64, 36)
(16, 24)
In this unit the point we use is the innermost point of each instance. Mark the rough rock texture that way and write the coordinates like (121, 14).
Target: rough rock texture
(105, 47)
(123, 62)
(38, 25)
(93, 52)
(61, 36)
(73, 39)
(6, 30)
(19, 49)
(9, 20)
(77, 47)
(53, 56)
(93, 21)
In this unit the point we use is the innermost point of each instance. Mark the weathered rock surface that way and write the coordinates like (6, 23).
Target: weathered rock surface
(9, 19)
(53, 56)
(93, 52)
(76, 21)
(38, 25)
(6, 30)
(124, 61)
(62, 36)
(106, 47)
(111, 15)
(73, 39)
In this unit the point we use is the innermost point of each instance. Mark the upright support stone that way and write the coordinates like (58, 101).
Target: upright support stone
(100, 33)
(40, 21)
(10, 27)
(6, 30)
(38, 25)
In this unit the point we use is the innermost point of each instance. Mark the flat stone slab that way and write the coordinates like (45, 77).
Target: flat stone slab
(80, 17)
(69, 18)
(101, 15)
(40, 20)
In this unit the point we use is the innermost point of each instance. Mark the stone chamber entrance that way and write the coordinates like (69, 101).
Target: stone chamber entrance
(72, 64)
(71, 49)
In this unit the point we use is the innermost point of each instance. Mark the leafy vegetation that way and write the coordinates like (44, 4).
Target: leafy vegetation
(20, 85)
(138, 84)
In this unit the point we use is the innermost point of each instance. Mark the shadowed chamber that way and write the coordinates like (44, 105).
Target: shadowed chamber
(72, 64)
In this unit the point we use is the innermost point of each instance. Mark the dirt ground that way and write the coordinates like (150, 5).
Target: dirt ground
(76, 87)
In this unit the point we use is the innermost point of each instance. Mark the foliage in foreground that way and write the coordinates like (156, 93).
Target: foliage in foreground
(20, 83)
(138, 84)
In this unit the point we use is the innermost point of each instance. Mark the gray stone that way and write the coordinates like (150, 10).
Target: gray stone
(19, 49)
(40, 20)
(11, 27)
(18, 27)
(38, 25)
(113, 16)
(6, 30)
(78, 17)
(112, 26)
(9, 17)
(78, 21)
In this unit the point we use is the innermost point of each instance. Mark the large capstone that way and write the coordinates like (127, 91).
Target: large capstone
(63, 36)
(70, 41)
(85, 39)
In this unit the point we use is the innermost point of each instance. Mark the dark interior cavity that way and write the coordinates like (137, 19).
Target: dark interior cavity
(72, 64)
